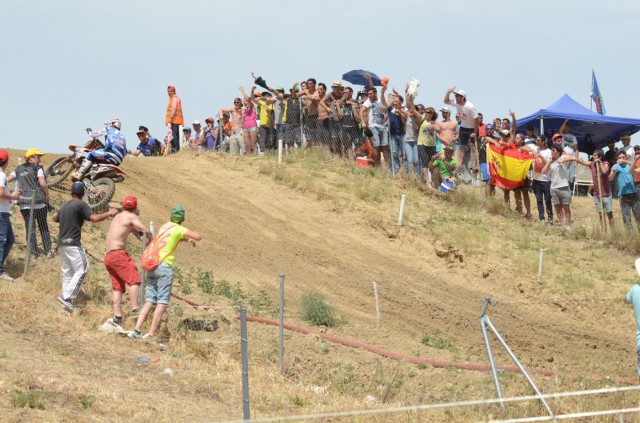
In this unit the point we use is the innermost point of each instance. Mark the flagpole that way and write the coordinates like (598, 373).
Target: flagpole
(591, 96)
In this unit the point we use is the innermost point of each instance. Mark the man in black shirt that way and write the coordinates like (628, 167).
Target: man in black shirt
(73, 261)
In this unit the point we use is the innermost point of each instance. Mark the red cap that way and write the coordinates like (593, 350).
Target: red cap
(258, 94)
(209, 119)
(130, 202)
(171, 87)
(556, 136)
(4, 156)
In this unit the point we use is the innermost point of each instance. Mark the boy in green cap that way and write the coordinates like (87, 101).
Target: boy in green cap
(160, 280)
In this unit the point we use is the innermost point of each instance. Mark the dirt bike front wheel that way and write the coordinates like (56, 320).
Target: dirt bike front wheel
(98, 193)
(58, 171)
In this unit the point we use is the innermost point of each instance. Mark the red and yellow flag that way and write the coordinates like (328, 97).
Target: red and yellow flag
(508, 166)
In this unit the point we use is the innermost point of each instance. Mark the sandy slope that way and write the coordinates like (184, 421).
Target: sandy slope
(254, 229)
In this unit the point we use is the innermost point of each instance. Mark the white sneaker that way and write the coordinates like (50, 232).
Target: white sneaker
(5, 276)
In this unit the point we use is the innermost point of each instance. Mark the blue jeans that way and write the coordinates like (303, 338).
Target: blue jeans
(6, 238)
(630, 204)
(159, 284)
(380, 137)
(397, 141)
(411, 159)
(542, 191)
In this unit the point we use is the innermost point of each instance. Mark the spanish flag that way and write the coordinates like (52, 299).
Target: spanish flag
(508, 166)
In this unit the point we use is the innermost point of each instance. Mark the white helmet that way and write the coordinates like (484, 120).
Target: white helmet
(114, 122)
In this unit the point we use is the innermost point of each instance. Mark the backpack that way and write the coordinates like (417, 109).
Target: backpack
(151, 255)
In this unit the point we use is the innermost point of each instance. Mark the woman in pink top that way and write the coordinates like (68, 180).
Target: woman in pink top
(250, 133)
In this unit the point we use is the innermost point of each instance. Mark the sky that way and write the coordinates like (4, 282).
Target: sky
(72, 64)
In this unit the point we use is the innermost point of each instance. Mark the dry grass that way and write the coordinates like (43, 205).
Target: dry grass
(59, 368)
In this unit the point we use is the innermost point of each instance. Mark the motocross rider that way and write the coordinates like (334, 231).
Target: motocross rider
(113, 152)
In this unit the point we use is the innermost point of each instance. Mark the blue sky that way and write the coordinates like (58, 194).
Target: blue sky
(72, 64)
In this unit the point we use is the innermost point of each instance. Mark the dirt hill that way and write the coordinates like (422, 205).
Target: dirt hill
(330, 229)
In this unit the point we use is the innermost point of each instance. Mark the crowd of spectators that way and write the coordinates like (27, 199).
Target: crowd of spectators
(391, 130)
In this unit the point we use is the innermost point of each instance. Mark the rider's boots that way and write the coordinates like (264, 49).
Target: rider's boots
(84, 167)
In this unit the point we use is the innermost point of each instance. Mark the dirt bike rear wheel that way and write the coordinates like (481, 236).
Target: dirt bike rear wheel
(99, 196)
(58, 171)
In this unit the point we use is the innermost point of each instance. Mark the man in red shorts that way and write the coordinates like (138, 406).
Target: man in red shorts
(119, 264)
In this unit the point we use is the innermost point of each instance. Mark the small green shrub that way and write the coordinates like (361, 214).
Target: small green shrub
(316, 311)
(205, 282)
(436, 341)
(86, 401)
(31, 399)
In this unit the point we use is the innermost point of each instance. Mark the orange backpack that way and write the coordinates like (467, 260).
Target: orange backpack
(151, 255)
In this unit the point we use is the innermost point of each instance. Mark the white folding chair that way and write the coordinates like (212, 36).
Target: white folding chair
(583, 177)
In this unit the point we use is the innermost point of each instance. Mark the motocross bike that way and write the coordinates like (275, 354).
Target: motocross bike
(99, 181)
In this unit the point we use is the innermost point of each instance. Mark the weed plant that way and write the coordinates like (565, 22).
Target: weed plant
(316, 311)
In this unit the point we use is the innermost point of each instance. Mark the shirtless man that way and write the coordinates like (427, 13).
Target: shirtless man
(236, 142)
(310, 99)
(119, 264)
(447, 130)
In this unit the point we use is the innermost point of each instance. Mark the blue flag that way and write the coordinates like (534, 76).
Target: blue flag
(595, 94)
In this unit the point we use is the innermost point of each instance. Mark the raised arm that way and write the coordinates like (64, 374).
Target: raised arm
(514, 125)
(447, 100)
(415, 114)
(563, 126)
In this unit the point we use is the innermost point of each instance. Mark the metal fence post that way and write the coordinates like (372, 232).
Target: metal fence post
(281, 326)
(246, 411)
(30, 233)
(143, 274)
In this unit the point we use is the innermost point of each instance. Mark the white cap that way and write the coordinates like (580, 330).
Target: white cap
(461, 92)
(196, 122)
(445, 109)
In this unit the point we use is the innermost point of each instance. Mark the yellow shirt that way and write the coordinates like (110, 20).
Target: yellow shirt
(266, 114)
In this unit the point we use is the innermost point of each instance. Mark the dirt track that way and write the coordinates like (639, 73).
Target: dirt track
(254, 229)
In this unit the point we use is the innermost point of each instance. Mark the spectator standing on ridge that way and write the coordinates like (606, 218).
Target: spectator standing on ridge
(197, 129)
(7, 237)
(570, 148)
(447, 129)
(149, 146)
(291, 121)
(542, 181)
(372, 118)
(249, 122)
(623, 173)
(310, 99)
(397, 121)
(351, 134)
(207, 138)
(73, 262)
(469, 122)
(30, 179)
(334, 100)
(267, 131)
(558, 167)
(603, 170)
(174, 117)
(189, 142)
(236, 140)
(160, 280)
(119, 264)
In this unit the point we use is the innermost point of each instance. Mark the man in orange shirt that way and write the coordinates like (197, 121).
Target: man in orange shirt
(174, 117)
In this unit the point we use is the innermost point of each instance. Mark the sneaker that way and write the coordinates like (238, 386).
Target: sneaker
(134, 334)
(148, 336)
(111, 326)
(135, 313)
(5, 276)
(68, 305)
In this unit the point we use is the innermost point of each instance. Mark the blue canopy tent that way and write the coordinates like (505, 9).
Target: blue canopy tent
(590, 128)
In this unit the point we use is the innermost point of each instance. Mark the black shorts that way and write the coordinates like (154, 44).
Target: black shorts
(425, 153)
(465, 136)
(311, 127)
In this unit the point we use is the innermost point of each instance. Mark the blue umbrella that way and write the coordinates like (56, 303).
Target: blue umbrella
(357, 77)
